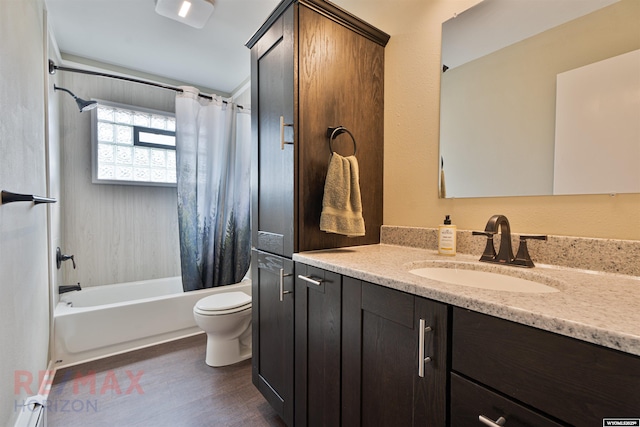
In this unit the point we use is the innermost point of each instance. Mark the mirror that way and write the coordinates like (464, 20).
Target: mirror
(541, 98)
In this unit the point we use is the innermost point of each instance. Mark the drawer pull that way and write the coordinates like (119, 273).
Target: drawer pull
(422, 328)
(489, 422)
(310, 280)
(282, 125)
(282, 291)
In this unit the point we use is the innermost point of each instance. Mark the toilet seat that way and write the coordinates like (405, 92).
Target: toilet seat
(223, 303)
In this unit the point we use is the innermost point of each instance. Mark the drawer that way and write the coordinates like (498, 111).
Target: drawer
(571, 380)
(469, 401)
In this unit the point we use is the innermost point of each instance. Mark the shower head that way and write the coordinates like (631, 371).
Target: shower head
(83, 105)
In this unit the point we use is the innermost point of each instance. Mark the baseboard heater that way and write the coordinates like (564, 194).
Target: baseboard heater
(34, 412)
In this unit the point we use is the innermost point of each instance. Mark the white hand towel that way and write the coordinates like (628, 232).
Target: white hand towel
(342, 204)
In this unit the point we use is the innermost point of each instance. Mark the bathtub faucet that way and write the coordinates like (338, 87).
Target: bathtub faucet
(68, 288)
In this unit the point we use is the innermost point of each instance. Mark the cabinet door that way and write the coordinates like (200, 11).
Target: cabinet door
(317, 346)
(273, 163)
(272, 324)
(381, 341)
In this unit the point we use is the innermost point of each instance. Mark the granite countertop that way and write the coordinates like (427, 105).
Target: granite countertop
(601, 308)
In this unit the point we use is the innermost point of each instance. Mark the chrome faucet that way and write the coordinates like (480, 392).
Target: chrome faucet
(505, 253)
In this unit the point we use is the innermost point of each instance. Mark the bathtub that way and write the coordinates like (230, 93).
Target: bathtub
(105, 320)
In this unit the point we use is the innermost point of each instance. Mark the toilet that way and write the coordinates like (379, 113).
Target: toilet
(226, 319)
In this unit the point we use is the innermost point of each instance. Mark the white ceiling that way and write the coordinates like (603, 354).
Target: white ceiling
(130, 34)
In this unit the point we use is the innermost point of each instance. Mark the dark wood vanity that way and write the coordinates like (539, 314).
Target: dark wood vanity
(357, 362)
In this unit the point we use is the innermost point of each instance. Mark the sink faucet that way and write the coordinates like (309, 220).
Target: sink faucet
(505, 254)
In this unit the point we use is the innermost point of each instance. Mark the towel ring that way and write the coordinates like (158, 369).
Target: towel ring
(332, 133)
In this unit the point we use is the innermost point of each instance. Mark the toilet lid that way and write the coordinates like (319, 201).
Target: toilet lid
(224, 301)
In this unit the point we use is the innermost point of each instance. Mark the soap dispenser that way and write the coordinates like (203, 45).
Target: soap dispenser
(447, 238)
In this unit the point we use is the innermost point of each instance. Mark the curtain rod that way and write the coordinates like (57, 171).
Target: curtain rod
(53, 67)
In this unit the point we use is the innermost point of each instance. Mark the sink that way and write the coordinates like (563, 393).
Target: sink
(467, 276)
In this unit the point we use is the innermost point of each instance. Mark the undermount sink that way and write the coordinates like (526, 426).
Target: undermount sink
(481, 279)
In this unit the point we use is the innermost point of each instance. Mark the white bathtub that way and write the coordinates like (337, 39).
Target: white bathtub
(105, 320)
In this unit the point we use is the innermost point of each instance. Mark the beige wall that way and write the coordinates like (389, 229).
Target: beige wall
(24, 266)
(412, 97)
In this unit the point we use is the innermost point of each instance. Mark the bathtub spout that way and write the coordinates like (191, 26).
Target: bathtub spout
(68, 288)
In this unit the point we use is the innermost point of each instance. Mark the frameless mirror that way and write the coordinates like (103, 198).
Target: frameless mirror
(541, 98)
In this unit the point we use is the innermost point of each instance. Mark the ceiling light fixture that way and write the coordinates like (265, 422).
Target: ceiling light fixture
(194, 13)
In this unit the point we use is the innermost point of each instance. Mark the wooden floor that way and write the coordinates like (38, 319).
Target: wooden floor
(165, 385)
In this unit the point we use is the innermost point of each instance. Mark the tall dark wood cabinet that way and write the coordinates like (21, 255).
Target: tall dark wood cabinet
(313, 66)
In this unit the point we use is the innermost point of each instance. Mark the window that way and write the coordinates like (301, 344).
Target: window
(133, 145)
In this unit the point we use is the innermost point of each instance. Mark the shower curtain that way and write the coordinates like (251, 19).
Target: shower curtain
(213, 171)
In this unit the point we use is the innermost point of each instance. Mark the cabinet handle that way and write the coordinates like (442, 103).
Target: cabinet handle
(489, 422)
(310, 280)
(282, 125)
(282, 291)
(422, 328)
